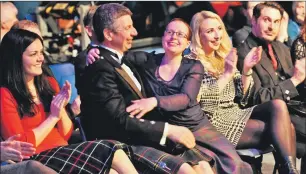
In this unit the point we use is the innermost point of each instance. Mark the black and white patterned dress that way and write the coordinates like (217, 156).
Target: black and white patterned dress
(220, 106)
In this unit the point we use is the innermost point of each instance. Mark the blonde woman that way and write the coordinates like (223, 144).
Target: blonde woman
(223, 86)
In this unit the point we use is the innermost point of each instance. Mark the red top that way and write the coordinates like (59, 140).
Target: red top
(11, 124)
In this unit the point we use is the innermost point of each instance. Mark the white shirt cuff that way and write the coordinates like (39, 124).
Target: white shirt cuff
(165, 134)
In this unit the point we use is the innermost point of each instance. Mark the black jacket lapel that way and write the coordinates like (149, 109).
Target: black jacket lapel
(280, 55)
(106, 54)
(127, 78)
(138, 77)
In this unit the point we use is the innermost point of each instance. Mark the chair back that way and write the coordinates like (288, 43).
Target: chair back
(63, 72)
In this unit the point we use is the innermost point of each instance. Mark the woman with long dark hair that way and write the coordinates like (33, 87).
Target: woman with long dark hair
(32, 105)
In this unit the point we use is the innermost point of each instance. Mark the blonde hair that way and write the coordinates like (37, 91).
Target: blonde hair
(215, 65)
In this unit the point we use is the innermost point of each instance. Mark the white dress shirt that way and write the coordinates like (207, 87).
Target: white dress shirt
(123, 66)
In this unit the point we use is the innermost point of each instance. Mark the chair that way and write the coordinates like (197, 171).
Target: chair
(253, 156)
(63, 72)
(77, 121)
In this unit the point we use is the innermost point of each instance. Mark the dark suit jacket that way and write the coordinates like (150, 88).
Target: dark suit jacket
(240, 35)
(79, 66)
(105, 94)
(268, 85)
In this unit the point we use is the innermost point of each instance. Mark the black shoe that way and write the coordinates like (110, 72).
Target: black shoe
(289, 167)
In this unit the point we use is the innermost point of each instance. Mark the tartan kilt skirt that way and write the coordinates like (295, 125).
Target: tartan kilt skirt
(149, 160)
(86, 157)
(96, 157)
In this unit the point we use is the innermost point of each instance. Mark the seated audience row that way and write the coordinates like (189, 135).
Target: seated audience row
(171, 113)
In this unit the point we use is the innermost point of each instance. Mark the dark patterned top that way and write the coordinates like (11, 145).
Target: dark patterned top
(220, 107)
(176, 97)
(298, 49)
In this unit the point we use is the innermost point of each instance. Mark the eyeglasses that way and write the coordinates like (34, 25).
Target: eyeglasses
(178, 34)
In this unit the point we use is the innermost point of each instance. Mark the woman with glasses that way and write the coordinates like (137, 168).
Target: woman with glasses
(173, 83)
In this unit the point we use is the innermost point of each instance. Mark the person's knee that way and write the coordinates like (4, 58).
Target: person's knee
(280, 110)
(186, 169)
(33, 167)
(279, 105)
(112, 171)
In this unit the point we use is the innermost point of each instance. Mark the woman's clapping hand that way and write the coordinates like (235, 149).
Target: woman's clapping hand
(60, 100)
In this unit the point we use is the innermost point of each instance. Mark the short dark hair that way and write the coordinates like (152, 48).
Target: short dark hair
(12, 47)
(105, 17)
(257, 9)
(87, 21)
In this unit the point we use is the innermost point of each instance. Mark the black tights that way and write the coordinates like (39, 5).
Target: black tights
(270, 123)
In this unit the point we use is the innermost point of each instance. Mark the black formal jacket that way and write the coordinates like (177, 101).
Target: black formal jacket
(268, 84)
(105, 94)
(240, 35)
(79, 66)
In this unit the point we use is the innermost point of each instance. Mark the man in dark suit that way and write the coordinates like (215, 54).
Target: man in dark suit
(109, 85)
(275, 77)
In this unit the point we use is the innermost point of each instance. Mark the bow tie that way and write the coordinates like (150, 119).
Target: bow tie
(112, 54)
(117, 58)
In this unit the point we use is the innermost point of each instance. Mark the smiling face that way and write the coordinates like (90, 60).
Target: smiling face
(175, 38)
(32, 59)
(122, 37)
(266, 27)
(211, 33)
